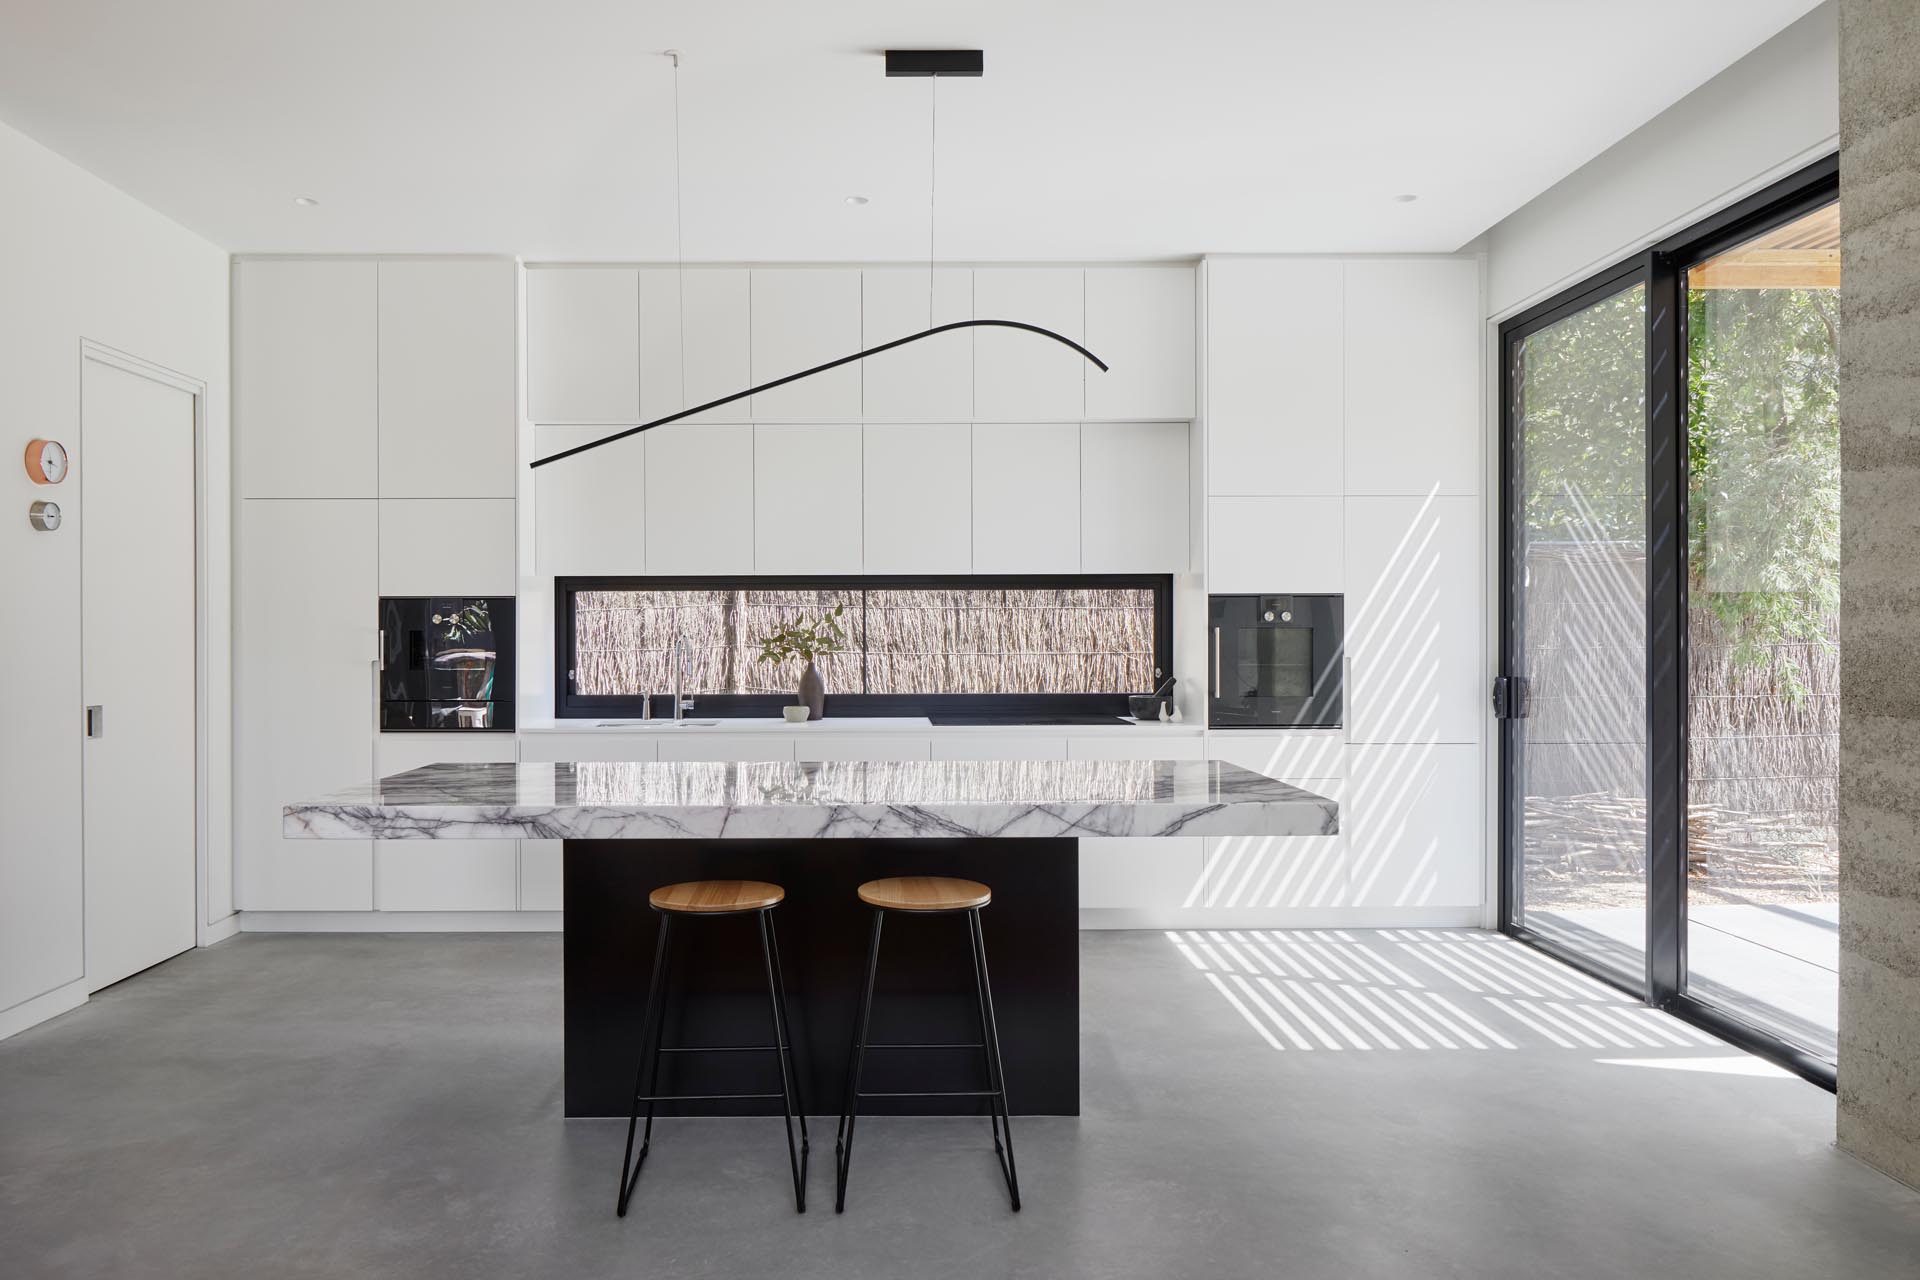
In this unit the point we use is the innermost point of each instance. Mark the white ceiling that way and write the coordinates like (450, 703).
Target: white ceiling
(1103, 129)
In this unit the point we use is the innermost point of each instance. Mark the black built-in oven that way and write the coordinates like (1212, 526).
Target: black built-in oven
(446, 664)
(1275, 662)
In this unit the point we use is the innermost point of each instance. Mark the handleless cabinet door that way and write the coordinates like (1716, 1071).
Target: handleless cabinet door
(446, 546)
(697, 348)
(1026, 497)
(806, 497)
(1283, 871)
(1140, 321)
(1414, 826)
(1291, 545)
(306, 378)
(740, 748)
(926, 381)
(699, 498)
(590, 511)
(804, 316)
(1413, 376)
(306, 609)
(1274, 376)
(583, 344)
(1020, 375)
(918, 496)
(1133, 497)
(849, 747)
(983, 746)
(447, 421)
(444, 875)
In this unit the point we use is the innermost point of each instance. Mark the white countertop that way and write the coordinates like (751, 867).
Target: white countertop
(851, 799)
(911, 725)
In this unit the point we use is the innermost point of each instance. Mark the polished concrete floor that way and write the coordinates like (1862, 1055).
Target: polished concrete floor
(1408, 1103)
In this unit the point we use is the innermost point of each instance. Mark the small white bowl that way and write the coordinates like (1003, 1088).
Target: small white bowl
(795, 714)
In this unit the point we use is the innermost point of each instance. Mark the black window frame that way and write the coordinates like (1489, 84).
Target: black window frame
(1662, 269)
(568, 705)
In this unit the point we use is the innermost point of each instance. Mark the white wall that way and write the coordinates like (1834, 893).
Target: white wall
(80, 259)
(1773, 111)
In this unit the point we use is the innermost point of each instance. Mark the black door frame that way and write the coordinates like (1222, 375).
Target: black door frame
(1662, 270)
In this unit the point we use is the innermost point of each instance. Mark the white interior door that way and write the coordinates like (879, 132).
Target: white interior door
(136, 471)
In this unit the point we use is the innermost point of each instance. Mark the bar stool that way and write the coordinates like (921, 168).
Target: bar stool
(715, 898)
(925, 896)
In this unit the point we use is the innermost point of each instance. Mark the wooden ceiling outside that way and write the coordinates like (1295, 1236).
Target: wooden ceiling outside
(1804, 254)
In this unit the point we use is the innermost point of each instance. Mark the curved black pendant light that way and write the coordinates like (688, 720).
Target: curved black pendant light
(820, 368)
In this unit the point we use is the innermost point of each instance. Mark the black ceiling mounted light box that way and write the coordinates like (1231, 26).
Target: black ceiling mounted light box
(935, 62)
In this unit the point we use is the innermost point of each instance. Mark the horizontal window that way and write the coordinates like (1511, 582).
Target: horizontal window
(905, 646)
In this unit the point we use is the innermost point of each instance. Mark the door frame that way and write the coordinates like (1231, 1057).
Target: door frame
(205, 931)
(1662, 268)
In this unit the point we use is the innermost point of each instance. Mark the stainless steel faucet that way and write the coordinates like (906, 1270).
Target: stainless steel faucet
(681, 705)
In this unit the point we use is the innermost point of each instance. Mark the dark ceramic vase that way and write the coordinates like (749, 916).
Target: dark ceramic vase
(813, 692)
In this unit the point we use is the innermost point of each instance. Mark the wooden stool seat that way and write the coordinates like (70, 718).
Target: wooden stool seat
(925, 893)
(716, 897)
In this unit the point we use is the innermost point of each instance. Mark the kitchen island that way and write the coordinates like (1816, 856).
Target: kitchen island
(820, 830)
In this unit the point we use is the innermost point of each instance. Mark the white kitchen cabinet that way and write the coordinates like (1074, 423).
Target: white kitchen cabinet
(589, 745)
(306, 378)
(1140, 321)
(1282, 871)
(1026, 497)
(1149, 744)
(1009, 746)
(804, 316)
(1414, 827)
(918, 497)
(1414, 664)
(446, 547)
(718, 344)
(443, 875)
(699, 486)
(1133, 497)
(1413, 376)
(709, 744)
(1275, 386)
(1287, 545)
(841, 746)
(926, 381)
(590, 511)
(806, 498)
(542, 875)
(1142, 873)
(304, 651)
(1025, 376)
(447, 370)
(583, 344)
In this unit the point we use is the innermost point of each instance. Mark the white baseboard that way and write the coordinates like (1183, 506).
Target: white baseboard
(1281, 917)
(400, 921)
(220, 930)
(52, 1004)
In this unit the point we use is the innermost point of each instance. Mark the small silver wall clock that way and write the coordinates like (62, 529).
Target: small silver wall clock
(44, 516)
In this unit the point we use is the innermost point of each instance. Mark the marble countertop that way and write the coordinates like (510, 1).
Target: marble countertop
(851, 799)
(836, 725)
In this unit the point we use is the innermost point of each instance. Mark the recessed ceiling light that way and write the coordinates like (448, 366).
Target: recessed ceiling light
(856, 199)
(1405, 199)
(305, 202)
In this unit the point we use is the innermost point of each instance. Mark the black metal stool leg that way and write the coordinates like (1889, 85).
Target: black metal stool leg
(781, 1053)
(850, 1109)
(996, 1073)
(986, 1042)
(647, 1069)
(786, 1018)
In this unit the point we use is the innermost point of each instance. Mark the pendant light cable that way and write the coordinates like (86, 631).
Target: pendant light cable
(933, 178)
(679, 244)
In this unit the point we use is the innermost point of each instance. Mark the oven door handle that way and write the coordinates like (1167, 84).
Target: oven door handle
(1216, 662)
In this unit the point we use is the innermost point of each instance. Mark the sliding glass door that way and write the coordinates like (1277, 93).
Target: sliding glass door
(1669, 656)
(1576, 626)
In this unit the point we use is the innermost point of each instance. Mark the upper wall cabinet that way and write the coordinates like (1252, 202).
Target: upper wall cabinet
(1133, 497)
(589, 511)
(447, 420)
(802, 317)
(1413, 376)
(1026, 497)
(806, 497)
(699, 498)
(715, 355)
(918, 494)
(1274, 379)
(1284, 545)
(1140, 321)
(583, 344)
(1024, 376)
(306, 381)
(446, 546)
(926, 381)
